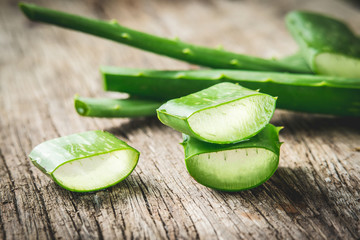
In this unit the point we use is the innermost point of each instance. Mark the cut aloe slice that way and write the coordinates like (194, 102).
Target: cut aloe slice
(327, 44)
(87, 161)
(223, 113)
(234, 167)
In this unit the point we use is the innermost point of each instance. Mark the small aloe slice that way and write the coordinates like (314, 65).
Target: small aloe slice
(234, 167)
(223, 113)
(87, 161)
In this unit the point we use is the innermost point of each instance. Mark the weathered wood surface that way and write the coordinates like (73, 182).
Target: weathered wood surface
(313, 195)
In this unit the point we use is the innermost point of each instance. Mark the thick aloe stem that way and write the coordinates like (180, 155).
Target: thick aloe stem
(299, 92)
(297, 60)
(169, 47)
(327, 44)
(106, 107)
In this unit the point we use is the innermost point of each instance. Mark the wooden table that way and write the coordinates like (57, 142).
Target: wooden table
(313, 195)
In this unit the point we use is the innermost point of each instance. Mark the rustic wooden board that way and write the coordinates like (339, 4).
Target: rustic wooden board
(313, 195)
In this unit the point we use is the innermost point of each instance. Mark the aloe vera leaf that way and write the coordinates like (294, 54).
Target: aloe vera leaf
(223, 113)
(298, 92)
(111, 108)
(328, 45)
(296, 59)
(174, 48)
(87, 161)
(234, 167)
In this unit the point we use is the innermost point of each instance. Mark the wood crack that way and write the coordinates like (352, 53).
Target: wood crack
(164, 225)
(74, 205)
(99, 231)
(266, 220)
(41, 198)
(348, 184)
(2, 228)
(325, 196)
(112, 205)
(210, 204)
(124, 225)
(47, 219)
(197, 236)
(146, 203)
(73, 223)
(229, 207)
(12, 180)
(268, 192)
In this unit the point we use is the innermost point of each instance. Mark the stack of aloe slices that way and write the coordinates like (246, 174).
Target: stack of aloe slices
(219, 129)
(228, 142)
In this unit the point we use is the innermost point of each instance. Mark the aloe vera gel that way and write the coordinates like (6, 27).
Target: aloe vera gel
(223, 113)
(85, 161)
(234, 167)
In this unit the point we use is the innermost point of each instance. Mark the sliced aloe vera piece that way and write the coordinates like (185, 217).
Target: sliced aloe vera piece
(328, 45)
(87, 161)
(223, 113)
(234, 167)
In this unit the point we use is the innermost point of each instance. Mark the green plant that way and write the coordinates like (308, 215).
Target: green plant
(327, 44)
(298, 92)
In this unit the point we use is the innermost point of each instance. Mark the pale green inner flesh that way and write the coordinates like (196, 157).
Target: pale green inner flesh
(233, 121)
(96, 172)
(233, 169)
(337, 65)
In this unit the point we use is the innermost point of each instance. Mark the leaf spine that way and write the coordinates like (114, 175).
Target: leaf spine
(220, 47)
(234, 62)
(187, 51)
(125, 35)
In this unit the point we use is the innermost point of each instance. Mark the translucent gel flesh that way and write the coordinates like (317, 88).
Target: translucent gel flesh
(96, 172)
(337, 65)
(233, 169)
(233, 121)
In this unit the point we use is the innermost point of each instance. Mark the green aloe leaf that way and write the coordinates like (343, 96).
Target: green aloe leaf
(174, 48)
(297, 92)
(327, 44)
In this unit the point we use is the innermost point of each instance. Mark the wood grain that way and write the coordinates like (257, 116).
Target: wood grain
(313, 195)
